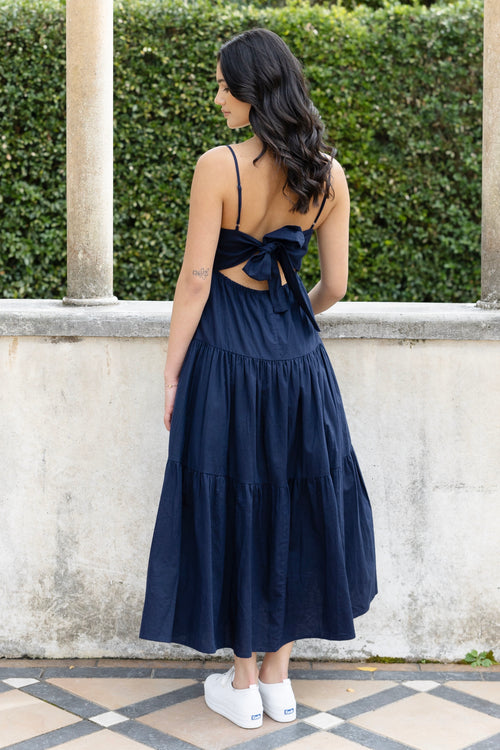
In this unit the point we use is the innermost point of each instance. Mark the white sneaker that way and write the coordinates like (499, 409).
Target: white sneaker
(242, 707)
(278, 700)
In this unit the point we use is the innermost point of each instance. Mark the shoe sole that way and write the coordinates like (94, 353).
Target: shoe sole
(279, 716)
(239, 721)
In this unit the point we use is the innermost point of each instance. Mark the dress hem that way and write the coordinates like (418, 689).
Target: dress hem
(264, 649)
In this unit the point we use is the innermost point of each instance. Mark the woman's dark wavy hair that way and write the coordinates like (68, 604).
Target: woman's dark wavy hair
(259, 69)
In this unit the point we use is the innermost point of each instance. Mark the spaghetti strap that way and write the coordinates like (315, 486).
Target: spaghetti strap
(332, 155)
(239, 187)
(320, 210)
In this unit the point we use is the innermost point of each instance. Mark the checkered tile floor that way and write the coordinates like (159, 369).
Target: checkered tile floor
(129, 705)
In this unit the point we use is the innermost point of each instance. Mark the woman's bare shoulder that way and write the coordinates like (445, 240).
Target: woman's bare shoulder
(212, 168)
(335, 165)
(217, 156)
(221, 155)
(339, 193)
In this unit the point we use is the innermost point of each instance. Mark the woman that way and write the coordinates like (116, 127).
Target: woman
(264, 530)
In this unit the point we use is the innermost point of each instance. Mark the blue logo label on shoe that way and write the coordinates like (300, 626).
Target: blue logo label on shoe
(256, 716)
(288, 711)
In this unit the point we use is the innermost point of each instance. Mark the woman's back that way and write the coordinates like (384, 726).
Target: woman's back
(264, 205)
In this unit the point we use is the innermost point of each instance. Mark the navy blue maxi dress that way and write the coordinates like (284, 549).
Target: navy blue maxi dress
(264, 531)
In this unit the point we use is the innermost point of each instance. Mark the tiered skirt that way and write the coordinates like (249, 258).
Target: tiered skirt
(264, 532)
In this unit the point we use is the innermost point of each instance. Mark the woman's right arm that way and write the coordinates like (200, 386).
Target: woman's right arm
(333, 246)
(193, 285)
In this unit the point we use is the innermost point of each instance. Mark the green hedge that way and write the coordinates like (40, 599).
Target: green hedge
(349, 4)
(399, 89)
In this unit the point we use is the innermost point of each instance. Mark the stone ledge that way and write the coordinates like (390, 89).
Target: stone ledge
(352, 320)
(409, 320)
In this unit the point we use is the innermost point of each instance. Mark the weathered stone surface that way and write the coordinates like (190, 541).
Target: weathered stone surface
(371, 320)
(490, 256)
(90, 151)
(83, 447)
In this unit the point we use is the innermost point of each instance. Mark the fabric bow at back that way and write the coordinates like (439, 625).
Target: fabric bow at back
(285, 246)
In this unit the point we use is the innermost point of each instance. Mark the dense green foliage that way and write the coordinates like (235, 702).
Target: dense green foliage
(399, 89)
(348, 4)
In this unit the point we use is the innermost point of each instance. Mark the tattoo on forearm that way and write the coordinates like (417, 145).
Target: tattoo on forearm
(201, 272)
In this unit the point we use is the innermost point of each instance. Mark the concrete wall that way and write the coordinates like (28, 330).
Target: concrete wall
(82, 450)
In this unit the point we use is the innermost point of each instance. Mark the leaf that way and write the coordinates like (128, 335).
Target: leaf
(472, 655)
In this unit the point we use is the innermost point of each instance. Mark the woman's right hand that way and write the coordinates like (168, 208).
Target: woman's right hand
(170, 391)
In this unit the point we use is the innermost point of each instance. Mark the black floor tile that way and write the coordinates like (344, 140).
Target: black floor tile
(57, 737)
(94, 672)
(470, 701)
(34, 672)
(439, 676)
(150, 737)
(332, 674)
(281, 737)
(161, 701)
(194, 674)
(367, 739)
(372, 702)
(492, 743)
(65, 700)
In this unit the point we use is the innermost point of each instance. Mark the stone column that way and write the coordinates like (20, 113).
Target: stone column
(490, 250)
(89, 39)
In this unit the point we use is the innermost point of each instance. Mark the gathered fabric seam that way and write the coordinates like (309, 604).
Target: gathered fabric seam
(258, 359)
(183, 465)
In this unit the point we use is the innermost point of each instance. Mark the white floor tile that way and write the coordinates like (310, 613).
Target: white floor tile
(422, 686)
(108, 719)
(19, 682)
(323, 721)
